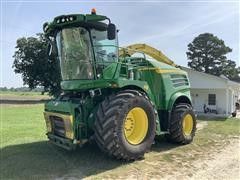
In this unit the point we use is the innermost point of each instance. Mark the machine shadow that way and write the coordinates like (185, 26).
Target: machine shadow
(46, 161)
(162, 145)
(211, 118)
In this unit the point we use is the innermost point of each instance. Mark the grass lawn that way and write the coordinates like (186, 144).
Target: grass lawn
(26, 153)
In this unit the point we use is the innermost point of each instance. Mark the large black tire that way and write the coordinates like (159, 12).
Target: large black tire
(176, 132)
(109, 125)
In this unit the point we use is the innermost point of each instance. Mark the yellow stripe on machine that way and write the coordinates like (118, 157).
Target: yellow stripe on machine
(162, 71)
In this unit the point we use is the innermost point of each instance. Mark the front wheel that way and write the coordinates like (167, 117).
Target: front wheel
(182, 124)
(125, 125)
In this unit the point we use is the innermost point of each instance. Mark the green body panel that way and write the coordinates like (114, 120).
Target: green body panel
(58, 106)
(183, 93)
(85, 84)
(93, 17)
(162, 83)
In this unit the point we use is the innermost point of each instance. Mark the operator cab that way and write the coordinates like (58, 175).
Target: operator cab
(86, 45)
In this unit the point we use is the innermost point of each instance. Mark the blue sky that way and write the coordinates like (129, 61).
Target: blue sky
(168, 26)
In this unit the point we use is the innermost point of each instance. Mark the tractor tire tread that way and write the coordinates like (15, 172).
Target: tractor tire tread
(105, 124)
(175, 133)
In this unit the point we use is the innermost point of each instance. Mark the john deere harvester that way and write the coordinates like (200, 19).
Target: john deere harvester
(120, 97)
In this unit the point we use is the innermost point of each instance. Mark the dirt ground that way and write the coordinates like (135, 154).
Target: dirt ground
(22, 100)
(221, 161)
(222, 164)
(217, 164)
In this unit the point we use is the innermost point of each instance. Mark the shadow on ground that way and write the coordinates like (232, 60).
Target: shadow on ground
(46, 161)
(211, 118)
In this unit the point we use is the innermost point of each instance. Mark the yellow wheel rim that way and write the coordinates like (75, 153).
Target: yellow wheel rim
(187, 124)
(136, 126)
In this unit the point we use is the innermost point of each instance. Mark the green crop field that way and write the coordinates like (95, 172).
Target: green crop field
(30, 93)
(23, 95)
(26, 153)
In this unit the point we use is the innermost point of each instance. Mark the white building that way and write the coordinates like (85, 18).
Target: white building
(212, 94)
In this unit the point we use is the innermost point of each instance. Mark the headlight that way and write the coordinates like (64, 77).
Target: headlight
(64, 19)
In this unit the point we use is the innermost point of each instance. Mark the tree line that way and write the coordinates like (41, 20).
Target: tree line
(206, 53)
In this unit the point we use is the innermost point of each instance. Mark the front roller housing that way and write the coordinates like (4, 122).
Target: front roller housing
(64, 122)
(59, 124)
(60, 129)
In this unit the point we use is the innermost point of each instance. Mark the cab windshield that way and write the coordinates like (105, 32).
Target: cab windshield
(75, 53)
(83, 53)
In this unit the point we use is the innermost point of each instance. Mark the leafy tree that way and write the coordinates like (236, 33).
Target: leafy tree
(3, 88)
(37, 69)
(207, 53)
(230, 70)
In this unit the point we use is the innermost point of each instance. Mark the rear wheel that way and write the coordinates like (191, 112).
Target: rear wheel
(125, 125)
(182, 125)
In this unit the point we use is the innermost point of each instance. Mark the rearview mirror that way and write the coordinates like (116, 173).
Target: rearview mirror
(111, 31)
